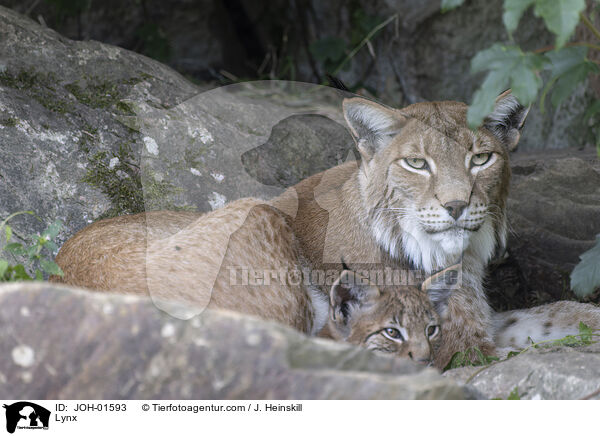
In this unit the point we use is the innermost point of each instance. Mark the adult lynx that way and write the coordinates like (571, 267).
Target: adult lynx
(427, 193)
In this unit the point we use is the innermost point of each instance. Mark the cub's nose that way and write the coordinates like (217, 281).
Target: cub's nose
(455, 208)
(421, 360)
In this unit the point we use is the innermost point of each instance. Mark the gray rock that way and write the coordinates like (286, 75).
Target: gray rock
(90, 130)
(281, 161)
(62, 103)
(554, 216)
(557, 373)
(58, 343)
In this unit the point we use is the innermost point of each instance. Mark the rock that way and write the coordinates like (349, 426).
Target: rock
(196, 38)
(90, 130)
(62, 103)
(426, 54)
(557, 373)
(554, 216)
(281, 161)
(58, 342)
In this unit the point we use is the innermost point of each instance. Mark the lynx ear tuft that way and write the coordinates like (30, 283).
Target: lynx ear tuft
(439, 287)
(507, 120)
(372, 125)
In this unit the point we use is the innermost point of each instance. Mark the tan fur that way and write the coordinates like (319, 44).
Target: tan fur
(192, 265)
(375, 213)
(339, 209)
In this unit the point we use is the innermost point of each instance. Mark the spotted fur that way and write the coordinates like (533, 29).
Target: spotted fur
(516, 329)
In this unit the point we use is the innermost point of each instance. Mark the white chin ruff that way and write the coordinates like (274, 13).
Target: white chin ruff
(452, 241)
(432, 252)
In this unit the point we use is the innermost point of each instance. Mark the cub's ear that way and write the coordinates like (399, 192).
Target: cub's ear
(439, 287)
(507, 120)
(372, 125)
(349, 295)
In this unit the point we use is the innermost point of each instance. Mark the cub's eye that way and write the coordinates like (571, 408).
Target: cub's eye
(432, 330)
(392, 333)
(416, 163)
(480, 159)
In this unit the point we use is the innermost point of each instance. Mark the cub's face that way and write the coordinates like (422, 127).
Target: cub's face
(404, 321)
(401, 322)
(432, 186)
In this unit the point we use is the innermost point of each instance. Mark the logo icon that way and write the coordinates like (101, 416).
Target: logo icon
(26, 415)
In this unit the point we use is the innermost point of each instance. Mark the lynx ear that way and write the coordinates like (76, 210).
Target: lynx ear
(349, 294)
(507, 120)
(372, 124)
(439, 287)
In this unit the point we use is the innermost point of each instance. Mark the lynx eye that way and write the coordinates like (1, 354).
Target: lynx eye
(393, 334)
(416, 163)
(432, 330)
(480, 159)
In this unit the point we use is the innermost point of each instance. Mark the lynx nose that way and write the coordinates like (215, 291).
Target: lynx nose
(455, 208)
(420, 360)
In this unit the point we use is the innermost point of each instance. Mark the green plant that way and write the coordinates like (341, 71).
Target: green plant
(566, 65)
(474, 356)
(586, 274)
(37, 253)
(470, 357)
(509, 66)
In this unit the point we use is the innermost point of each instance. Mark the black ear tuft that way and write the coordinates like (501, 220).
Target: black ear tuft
(507, 120)
(336, 83)
(344, 265)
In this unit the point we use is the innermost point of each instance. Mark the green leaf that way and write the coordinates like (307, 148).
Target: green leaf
(39, 276)
(525, 81)
(568, 68)
(485, 97)
(508, 66)
(8, 232)
(52, 231)
(448, 5)
(51, 268)
(3, 268)
(567, 83)
(563, 60)
(585, 277)
(561, 17)
(51, 246)
(14, 248)
(513, 11)
(19, 273)
(33, 251)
